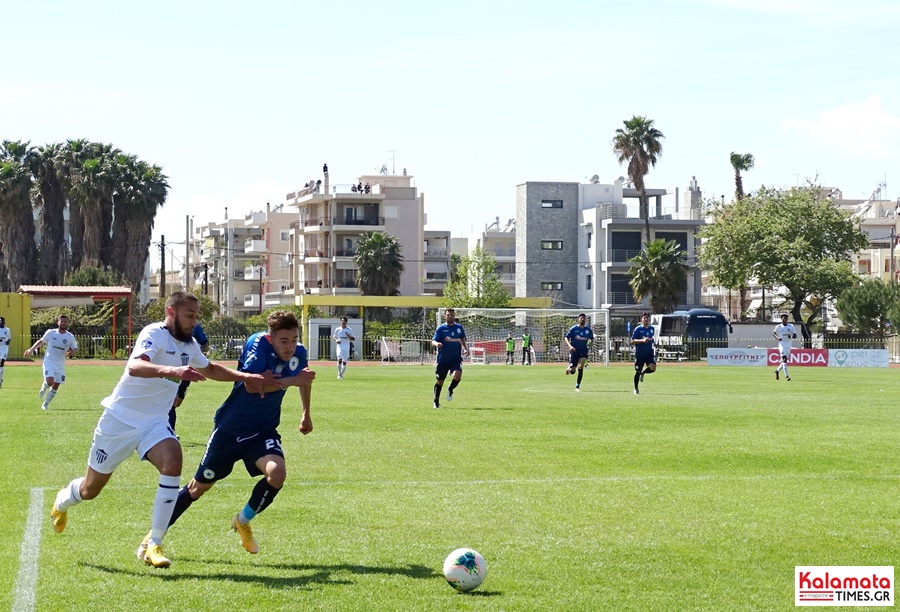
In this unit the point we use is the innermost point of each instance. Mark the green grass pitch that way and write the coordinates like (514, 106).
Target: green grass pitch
(702, 493)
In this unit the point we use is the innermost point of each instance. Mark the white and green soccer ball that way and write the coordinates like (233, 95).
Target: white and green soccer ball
(464, 569)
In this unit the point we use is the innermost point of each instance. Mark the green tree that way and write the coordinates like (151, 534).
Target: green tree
(660, 273)
(51, 200)
(477, 284)
(796, 239)
(88, 276)
(379, 264)
(16, 217)
(741, 162)
(869, 306)
(640, 144)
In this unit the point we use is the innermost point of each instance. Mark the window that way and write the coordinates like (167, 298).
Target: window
(551, 286)
(285, 235)
(551, 203)
(551, 245)
(588, 283)
(589, 236)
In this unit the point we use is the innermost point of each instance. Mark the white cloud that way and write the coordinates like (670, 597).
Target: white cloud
(863, 129)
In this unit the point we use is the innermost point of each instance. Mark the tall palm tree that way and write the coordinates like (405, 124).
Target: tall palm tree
(70, 159)
(17, 215)
(741, 162)
(640, 144)
(94, 184)
(143, 192)
(379, 264)
(659, 272)
(52, 202)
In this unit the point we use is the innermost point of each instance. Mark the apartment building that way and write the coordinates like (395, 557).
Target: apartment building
(332, 217)
(499, 239)
(437, 261)
(576, 240)
(244, 263)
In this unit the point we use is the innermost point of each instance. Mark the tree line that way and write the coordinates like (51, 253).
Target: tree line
(112, 199)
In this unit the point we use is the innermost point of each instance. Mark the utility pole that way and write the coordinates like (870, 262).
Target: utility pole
(893, 242)
(187, 252)
(162, 266)
(206, 279)
(260, 288)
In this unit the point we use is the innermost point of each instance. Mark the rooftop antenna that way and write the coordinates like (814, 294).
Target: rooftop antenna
(393, 163)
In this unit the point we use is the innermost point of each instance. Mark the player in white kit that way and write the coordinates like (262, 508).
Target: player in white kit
(60, 344)
(343, 336)
(5, 337)
(136, 417)
(785, 333)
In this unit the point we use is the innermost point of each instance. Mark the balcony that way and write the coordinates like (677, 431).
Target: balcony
(316, 224)
(253, 273)
(357, 225)
(251, 301)
(436, 253)
(255, 246)
(317, 254)
(345, 252)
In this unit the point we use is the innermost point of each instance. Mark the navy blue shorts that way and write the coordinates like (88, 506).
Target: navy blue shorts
(445, 367)
(643, 360)
(575, 357)
(224, 449)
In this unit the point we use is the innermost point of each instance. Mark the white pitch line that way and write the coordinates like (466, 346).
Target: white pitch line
(24, 590)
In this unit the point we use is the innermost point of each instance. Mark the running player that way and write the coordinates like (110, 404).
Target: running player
(450, 341)
(578, 339)
(644, 357)
(60, 344)
(784, 332)
(343, 336)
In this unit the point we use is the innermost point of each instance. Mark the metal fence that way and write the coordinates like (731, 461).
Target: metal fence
(620, 349)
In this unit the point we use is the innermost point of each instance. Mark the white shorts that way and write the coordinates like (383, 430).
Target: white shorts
(57, 373)
(4, 351)
(114, 441)
(343, 352)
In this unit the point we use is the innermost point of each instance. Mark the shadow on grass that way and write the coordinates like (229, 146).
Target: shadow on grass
(305, 575)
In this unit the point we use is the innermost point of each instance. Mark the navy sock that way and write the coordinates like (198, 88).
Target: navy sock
(578, 380)
(262, 496)
(453, 385)
(437, 392)
(182, 503)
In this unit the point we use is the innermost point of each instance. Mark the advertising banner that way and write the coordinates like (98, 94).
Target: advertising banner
(735, 357)
(858, 358)
(801, 357)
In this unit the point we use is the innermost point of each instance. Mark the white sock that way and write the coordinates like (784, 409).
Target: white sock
(784, 367)
(44, 386)
(69, 495)
(1, 376)
(164, 505)
(50, 395)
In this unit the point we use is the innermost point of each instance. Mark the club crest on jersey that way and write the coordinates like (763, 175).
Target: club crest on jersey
(146, 344)
(209, 474)
(185, 359)
(294, 363)
(100, 455)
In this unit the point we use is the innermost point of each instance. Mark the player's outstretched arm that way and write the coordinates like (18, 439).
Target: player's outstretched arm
(306, 424)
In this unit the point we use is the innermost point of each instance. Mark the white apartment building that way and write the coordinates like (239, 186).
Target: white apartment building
(499, 239)
(244, 263)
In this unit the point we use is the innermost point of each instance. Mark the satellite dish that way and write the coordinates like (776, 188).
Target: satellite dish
(595, 179)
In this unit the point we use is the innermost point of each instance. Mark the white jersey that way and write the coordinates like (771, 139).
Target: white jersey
(785, 333)
(5, 337)
(140, 401)
(342, 339)
(57, 345)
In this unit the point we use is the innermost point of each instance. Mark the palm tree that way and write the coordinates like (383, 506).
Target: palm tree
(640, 145)
(143, 192)
(659, 272)
(93, 185)
(740, 162)
(69, 160)
(17, 215)
(379, 264)
(52, 202)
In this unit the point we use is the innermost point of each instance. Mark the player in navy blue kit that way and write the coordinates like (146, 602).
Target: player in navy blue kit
(246, 424)
(579, 338)
(450, 341)
(644, 357)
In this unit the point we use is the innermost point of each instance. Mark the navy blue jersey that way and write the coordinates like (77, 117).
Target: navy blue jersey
(247, 413)
(450, 351)
(579, 337)
(644, 349)
(200, 335)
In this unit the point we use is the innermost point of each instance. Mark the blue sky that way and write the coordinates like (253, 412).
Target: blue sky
(241, 103)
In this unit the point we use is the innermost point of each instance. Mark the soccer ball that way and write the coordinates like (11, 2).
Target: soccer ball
(464, 569)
